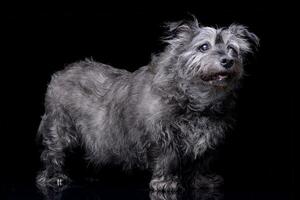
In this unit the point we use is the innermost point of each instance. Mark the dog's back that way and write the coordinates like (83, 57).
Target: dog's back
(81, 80)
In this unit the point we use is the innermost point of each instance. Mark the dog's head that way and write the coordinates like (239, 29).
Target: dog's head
(207, 56)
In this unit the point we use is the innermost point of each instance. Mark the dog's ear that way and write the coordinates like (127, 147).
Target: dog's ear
(247, 41)
(181, 31)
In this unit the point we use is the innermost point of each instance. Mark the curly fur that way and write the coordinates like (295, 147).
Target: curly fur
(163, 117)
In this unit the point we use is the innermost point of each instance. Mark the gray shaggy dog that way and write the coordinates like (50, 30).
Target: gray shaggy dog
(164, 117)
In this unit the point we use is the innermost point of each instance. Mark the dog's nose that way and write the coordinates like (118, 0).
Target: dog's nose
(226, 62)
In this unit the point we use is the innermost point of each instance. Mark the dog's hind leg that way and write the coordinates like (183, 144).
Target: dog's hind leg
(56, 135)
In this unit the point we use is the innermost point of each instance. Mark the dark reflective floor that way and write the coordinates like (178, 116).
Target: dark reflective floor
(100, 192)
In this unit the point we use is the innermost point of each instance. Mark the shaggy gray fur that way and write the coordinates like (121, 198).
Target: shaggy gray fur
(162, 117)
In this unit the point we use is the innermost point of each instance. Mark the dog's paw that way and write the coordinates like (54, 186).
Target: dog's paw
(165, 184)
(207, 181)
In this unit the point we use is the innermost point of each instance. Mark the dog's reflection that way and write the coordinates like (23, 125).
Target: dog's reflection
(97, 193)
(74, 192)
(207, 194)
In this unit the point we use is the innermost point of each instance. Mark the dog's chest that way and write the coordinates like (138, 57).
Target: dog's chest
(196, 134)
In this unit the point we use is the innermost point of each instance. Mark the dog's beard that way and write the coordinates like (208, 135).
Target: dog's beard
(218, 78)
(215, 79)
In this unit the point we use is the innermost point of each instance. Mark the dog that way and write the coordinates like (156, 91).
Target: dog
(164, 117)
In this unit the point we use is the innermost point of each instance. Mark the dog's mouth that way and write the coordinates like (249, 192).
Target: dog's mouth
(217, 77)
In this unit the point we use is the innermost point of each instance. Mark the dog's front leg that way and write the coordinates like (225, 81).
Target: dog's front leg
(165, 172)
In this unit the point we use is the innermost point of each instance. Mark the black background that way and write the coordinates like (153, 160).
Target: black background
(256, 159)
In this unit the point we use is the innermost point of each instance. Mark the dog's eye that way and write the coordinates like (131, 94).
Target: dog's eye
(232, 49)
(204, 47)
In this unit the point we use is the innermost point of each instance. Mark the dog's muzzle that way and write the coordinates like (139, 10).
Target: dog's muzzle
(219, 76)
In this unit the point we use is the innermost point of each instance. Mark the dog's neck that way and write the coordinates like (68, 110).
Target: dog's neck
(201, 99)
(211, 104)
